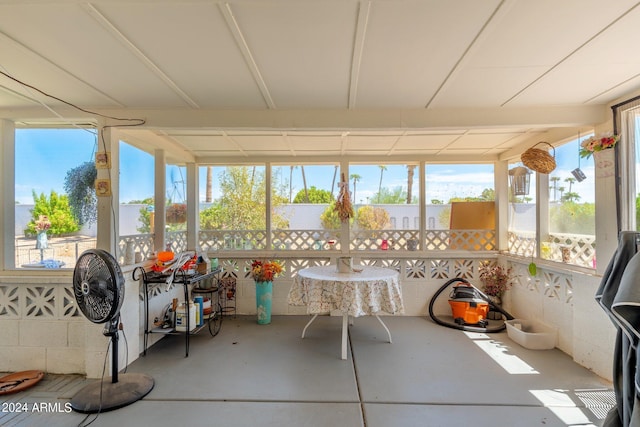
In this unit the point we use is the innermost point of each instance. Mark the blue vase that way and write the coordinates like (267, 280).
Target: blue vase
(264, 295)
(41, 240)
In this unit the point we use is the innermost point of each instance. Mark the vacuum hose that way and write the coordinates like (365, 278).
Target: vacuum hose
(468, 328)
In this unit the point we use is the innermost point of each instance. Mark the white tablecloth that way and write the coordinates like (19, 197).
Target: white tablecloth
(323, 289)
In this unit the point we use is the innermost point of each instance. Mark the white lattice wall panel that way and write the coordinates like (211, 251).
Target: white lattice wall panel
(142, 243)
(232, 240)
(546, 283)
(546, 297)
(425, 271)
(305, 239)
(37, 301)
(523, 244)
(177, 240)
(384, 239)
(436, 240)
(581, 248)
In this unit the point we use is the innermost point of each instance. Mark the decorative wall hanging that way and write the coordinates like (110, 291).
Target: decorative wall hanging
(103, 187)
(103, 160)
(343, 204)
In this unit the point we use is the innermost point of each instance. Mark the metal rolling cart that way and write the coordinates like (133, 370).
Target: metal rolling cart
(213, 320)
(228, 295)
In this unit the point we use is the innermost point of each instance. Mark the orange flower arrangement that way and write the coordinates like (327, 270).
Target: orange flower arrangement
(265, 271)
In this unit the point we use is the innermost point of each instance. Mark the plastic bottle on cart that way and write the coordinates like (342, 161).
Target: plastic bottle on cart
(199, 302)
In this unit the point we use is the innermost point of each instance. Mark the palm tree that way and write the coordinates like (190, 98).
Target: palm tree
(410, 172)
(561, 190)
(571, 197)
(382, 169)
(355, 177)
(570, 180)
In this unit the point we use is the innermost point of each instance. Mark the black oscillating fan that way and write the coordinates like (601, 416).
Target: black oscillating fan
(98, 286)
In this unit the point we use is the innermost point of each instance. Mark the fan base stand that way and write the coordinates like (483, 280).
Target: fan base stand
(130, 388)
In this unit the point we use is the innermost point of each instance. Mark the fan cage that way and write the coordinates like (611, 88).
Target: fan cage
(98, 285)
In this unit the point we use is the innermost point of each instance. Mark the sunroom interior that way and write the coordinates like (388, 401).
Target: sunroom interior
(352, 88)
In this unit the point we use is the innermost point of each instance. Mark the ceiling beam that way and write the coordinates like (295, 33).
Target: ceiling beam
(149, 141)
(48, 63)
(226, 11)
(607, 27)
(499, 12)
(340, 120)
(364, 9)
(117, 34)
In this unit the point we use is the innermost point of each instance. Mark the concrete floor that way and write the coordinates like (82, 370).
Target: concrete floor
(266, 375)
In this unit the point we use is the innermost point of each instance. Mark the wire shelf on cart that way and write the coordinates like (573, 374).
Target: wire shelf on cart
(213, 320)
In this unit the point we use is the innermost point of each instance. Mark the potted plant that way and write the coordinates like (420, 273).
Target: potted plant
(263, 273)
(176, 213)
(495, 279)
(595, 144)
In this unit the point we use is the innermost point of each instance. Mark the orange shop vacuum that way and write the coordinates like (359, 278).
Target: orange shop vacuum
(469, 308)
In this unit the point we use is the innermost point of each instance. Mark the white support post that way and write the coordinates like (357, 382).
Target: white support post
(159, 200)
(345, 237)
(108, 217)
(268, 203)
(606, 225)
(542, 210)
(193, 207)
(422, 188)
(501, 183)
(7, 193)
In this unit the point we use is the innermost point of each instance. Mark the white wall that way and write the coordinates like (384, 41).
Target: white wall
(566, 300)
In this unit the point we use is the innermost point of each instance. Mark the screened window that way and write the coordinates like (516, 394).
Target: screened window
(55, 206)
(630, 150)
(303, 200)
(235, 216)
(460, 197)
(571, 234)
(522, 218)
(386, 206)
(136, 191)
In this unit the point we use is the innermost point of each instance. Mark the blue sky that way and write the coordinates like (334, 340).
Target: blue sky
(43, 158)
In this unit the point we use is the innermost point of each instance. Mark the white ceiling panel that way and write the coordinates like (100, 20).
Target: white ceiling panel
(303, 49)
(315, 142)
(259, 143)
(369, 142)
(481, 140)
(543, 32)
(100, 60)
(427, 142)
(584, 69)
(286, 78)
(411, 46)
(479, 87)
(205, 142)
(192, 45)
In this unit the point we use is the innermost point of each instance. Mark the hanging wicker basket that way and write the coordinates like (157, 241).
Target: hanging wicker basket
(539, 160)
(176, 213)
